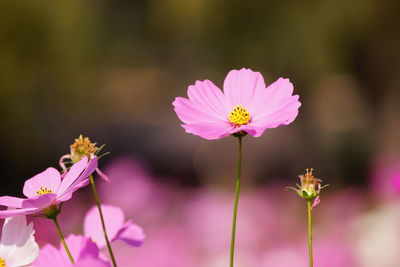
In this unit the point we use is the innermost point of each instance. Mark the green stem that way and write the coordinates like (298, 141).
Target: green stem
(62, 239)
(96, 198)
(239, 167)
(309, 223)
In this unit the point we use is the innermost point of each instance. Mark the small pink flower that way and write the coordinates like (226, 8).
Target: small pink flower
(117, 228)
(84, 251)
(17, 246)
(46, 189)
(245, 106)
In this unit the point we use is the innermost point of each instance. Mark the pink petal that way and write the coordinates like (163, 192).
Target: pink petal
(280, 89)
(114, 220)
(92, 262)
(73, 174)
(131, 234)
(51, 256)
(73, 182)
(11, 213)
(80, 247)
(209, 131)
(191, 112)
(13, 202)
(62, 164)
(49, 179)
(209, 98)
(39, 202)
(276, 95)
(103, 176)
(241, 86)
(317, 200)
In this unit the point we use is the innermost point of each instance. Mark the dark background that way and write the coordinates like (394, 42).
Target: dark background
(111, 69)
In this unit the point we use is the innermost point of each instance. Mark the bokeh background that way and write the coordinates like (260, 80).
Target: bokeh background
(111, 69)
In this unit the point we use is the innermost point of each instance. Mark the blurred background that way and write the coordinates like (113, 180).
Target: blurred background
(111, 69)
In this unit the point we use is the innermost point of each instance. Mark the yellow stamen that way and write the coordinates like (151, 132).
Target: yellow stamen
(42, 191)
(239, 116)
(82, 147)
(3, 262)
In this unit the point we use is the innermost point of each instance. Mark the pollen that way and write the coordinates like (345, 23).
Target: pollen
(82, 147)
(3, 262)
(239, 116)
(41, 191)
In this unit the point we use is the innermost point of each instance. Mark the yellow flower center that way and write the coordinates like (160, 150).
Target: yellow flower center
(82, 147)
(3, 262)
(239, 116)
(42, 191)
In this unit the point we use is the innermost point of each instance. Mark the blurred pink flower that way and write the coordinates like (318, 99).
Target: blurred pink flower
(17, 246)
(84, 251)
(246, 105)
(47, 188)
(117, 228)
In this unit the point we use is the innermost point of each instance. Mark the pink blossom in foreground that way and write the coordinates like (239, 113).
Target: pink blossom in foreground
(47, 188)
(84, 251)
(17, 246)
(117, 228)
(246, 105)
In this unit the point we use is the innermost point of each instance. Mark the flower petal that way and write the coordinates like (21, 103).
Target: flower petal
(92, 262)
(80, 247)
(9, 201)
(39, 202)
(72, 175)
(18, 240)
(131, 234)
(209, 98)
(51, 256)
(49, 179)
(209, 131)
(114, 220)
(273, 98)
(72, 182)
(191, 112)
(16, 212)
(241, 86)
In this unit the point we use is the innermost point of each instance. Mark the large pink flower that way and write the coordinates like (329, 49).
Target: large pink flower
(246, 105)
(47, 188)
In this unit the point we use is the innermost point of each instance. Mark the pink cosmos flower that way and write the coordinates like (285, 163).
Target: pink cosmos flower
(84, 251)
(47, 189)
(117, 228)
(246, 105)
(17, 246)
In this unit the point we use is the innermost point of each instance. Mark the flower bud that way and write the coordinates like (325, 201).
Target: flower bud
(310, 187)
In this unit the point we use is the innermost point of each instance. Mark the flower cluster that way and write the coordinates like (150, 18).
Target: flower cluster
(44, 194)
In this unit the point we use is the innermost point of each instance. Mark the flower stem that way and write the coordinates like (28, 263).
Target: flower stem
(309, 223)
(96, 198)
(239, 167)
(62, 239)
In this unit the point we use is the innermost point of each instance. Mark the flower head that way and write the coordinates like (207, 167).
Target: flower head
(245, 106)
(46, 190)
(17, 246)
(310, 187)
(117, 227)
(83, 250)
(83, 147)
